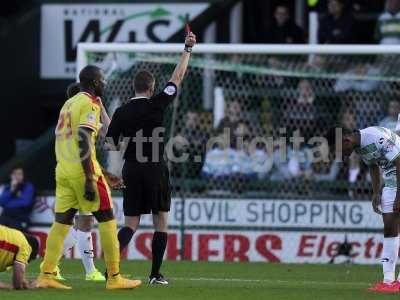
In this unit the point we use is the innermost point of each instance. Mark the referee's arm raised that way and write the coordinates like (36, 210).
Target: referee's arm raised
(181, 67)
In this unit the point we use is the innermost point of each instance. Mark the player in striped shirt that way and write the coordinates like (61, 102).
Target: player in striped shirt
(379, 148)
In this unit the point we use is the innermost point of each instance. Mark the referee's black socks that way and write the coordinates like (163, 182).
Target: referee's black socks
(124, 237)
(158, 248)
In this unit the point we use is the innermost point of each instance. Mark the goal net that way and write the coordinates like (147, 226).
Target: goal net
(250, 95)
(235, 190)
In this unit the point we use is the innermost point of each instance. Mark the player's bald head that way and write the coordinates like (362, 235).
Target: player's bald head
(91, 79)
(89, 74)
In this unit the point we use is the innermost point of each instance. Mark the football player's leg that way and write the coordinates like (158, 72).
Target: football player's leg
(132, 195)
(160, 220)
(70, 240)
(85, 244)
(110, 245)
(55, 240)
(391, 234)
(390, 248)
(108, 237)
(101, 208)
(109, 240)
(126, 233)
(54, 248)
(65, 208)
(158, 246)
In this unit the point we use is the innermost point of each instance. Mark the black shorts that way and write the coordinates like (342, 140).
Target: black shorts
(147, 188)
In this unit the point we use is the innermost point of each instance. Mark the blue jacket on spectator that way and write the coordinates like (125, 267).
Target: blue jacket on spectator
(18, 204)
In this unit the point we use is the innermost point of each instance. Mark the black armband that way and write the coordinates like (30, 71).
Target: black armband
(188, 49)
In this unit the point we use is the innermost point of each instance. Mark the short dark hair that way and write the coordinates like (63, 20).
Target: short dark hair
(73, 89)
(283, 5)
(330, 135)
(88, 74)
(342, 2)
(17, 167)
(393, 100)
(143, 81)
(33, 242)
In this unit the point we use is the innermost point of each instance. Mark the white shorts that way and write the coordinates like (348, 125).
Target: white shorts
(387, 199)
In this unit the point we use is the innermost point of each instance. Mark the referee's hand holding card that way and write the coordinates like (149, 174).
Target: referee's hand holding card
(190, 40)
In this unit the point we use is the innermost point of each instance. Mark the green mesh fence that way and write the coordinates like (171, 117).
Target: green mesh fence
(261, 97)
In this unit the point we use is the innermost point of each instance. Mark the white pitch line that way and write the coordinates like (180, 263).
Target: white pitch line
(233, 280)
(271, 281)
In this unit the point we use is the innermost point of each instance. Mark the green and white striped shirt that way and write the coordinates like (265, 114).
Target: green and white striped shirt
(380, 146)
(388, 28)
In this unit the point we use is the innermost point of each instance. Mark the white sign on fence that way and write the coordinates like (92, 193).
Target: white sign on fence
(244, 213)
(63, 26)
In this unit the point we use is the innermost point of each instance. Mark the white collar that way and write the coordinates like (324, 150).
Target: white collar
(141, 97)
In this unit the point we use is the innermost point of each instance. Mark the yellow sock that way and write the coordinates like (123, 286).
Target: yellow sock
(54, 246)
(110, 245)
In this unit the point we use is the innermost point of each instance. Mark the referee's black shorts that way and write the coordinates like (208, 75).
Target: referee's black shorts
(147, 188)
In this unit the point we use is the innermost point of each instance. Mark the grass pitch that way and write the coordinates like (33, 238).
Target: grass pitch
(215, 281)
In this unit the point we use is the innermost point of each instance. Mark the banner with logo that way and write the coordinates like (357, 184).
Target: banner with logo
(291, 231)
(248, 213)
(246, 246)
(63, 26)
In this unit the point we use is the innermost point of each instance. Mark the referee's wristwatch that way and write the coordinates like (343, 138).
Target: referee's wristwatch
(188, 49)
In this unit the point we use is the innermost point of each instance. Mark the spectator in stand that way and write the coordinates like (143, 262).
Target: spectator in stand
(294, 163)
(388, 24)
(348, 119)
(219, 160)
(261, 161)
(192, 140)
(242, 161)
(242, 170)
(338, 26)
(233, 116)
(366, 107)
(273, 80)
(230, 159)
(239, 163)
(353, 80)
(317, 64)
(326, 171)
(393, 111)
(283, 29)
(17, 201)
(192, 131)
(301, 112)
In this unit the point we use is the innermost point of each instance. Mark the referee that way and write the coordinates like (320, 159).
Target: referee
(145, 173)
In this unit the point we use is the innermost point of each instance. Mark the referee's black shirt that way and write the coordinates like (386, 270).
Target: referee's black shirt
(145, 115)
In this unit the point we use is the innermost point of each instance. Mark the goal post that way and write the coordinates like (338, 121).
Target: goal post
(260, 91)
(281, 49)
